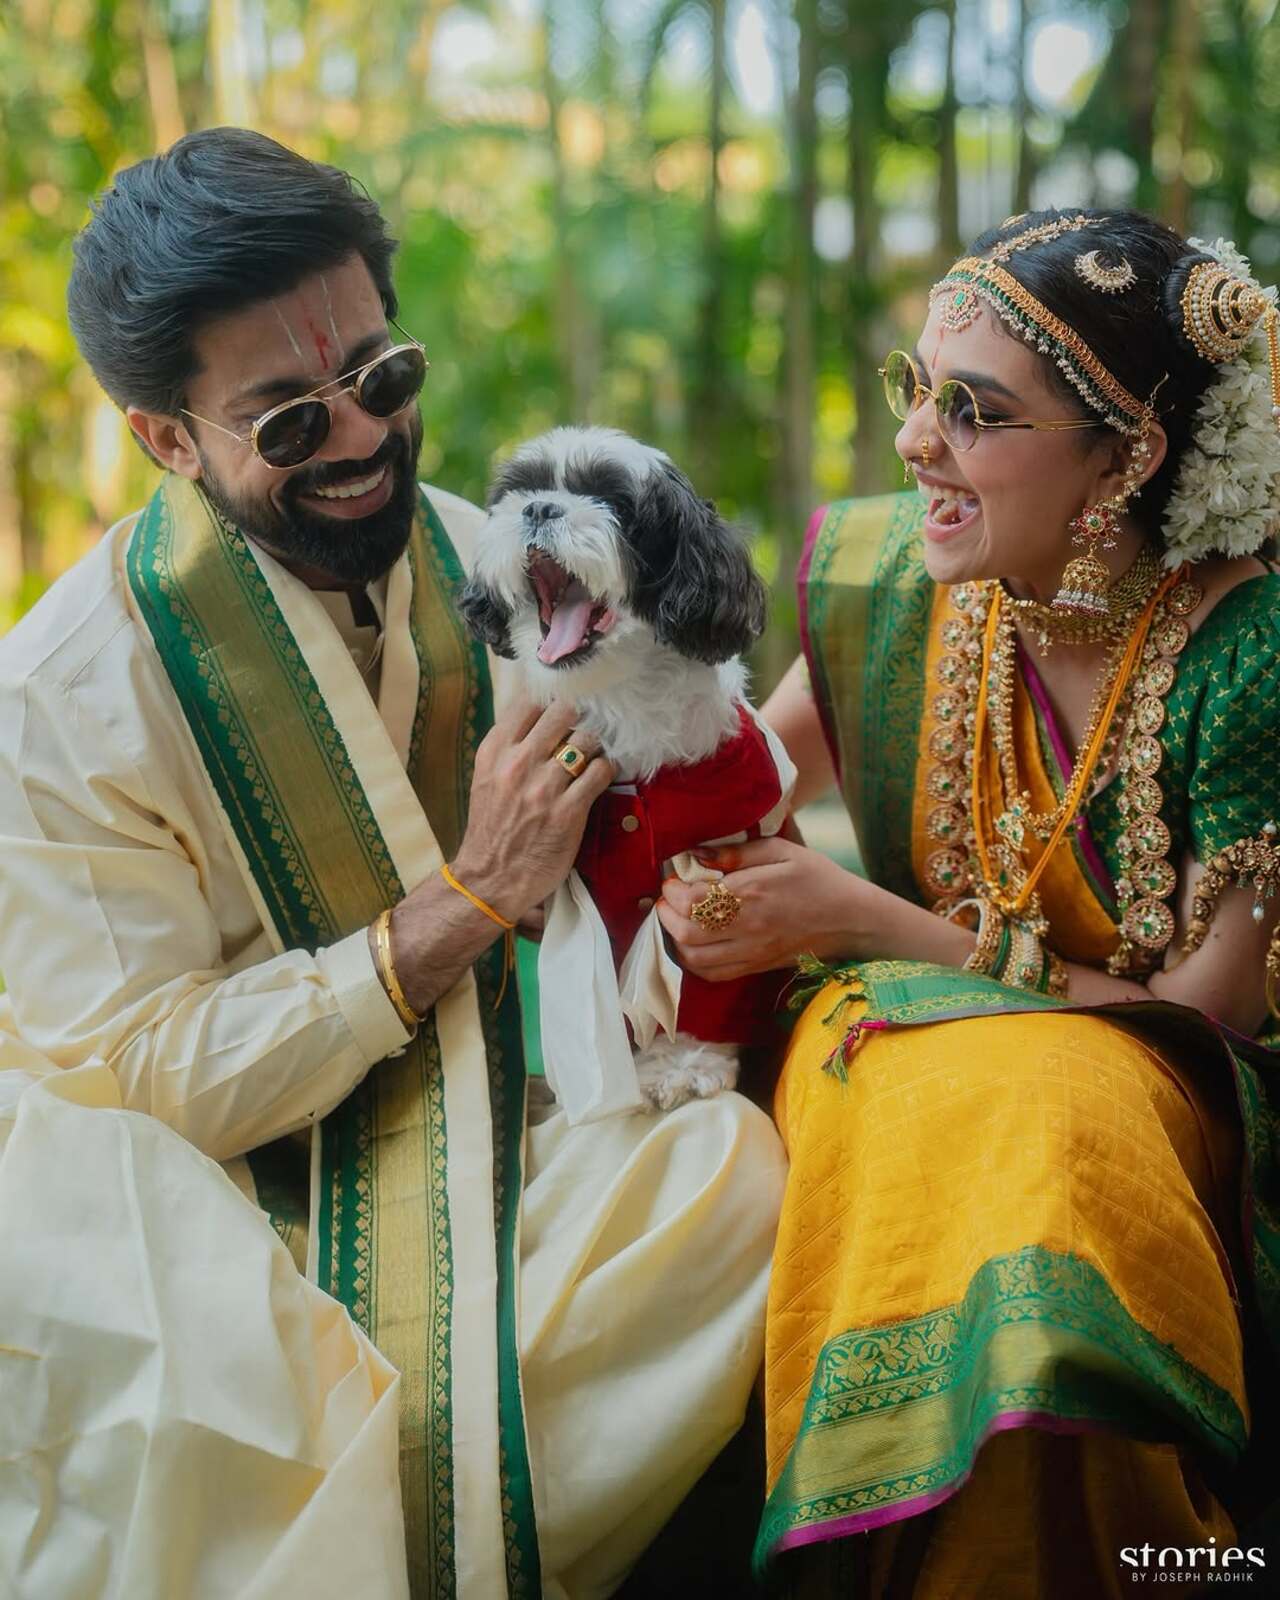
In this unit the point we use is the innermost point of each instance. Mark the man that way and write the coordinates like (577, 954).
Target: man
(240, 733)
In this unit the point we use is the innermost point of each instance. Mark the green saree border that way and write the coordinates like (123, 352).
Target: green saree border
(865, 636)
(1039, 1335)
(893, 699)
(1119, 1375)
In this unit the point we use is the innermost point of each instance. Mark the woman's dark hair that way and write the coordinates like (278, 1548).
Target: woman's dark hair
(223, 219)
(1136, 333)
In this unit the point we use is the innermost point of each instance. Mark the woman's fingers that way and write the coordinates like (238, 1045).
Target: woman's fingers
(755, 853)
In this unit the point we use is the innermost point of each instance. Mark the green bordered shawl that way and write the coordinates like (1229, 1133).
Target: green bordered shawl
(411, 1190)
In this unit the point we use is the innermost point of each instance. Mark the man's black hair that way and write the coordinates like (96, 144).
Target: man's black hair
(222, 220)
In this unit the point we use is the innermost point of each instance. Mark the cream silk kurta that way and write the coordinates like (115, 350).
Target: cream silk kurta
(142, 980)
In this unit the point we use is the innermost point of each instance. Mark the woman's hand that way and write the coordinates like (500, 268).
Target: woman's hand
(794, 901)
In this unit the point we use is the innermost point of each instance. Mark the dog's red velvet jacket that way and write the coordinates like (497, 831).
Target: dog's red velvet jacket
(631, 834)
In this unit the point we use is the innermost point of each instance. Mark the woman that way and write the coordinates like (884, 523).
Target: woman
(1028, 1251)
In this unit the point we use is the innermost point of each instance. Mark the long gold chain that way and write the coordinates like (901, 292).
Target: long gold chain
(952, 869)
(1011, 825)
(1018, 815)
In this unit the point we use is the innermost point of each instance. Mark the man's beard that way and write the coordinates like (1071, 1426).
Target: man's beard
(354, 551)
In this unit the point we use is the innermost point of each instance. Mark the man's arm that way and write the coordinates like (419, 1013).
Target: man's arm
(524, 824)
(111, 949)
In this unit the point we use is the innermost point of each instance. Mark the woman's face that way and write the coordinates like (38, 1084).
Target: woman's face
(1001, 508)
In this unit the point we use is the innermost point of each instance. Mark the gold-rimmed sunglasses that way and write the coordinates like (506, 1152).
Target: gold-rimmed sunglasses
(960, 418)
(290, 434)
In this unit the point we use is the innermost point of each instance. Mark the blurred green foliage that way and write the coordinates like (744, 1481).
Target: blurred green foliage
(699, 220)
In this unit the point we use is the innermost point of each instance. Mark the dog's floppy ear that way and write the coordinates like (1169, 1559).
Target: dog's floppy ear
(695, 583)
(488, 617)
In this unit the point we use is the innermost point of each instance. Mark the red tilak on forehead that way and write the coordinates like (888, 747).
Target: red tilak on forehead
(320, 339)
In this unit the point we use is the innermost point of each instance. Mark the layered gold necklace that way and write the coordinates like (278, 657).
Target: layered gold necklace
(974, 853)
(995, 701)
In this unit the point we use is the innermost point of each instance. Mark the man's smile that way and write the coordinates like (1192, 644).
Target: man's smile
(353, 497)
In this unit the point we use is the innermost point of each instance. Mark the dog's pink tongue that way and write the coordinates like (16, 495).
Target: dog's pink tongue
(569, 625)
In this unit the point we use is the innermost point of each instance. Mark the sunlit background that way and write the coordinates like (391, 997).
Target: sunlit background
(703, 221)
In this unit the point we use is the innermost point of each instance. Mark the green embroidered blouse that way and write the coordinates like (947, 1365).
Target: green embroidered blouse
(1221, 738)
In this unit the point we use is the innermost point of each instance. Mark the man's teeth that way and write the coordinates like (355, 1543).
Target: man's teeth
(349, 491)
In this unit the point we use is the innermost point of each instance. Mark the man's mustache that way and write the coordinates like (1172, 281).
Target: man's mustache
(392, 450)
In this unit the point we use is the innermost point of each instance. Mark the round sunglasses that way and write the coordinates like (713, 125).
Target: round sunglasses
(291, 434)
(960, 418)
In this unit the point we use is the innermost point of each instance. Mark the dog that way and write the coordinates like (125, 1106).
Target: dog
(612, 583)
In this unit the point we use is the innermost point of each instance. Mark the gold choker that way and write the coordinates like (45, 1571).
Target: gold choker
(1125, 599)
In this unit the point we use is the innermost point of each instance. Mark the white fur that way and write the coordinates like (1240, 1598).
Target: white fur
(584, 542)
(672, 1071)
(563, 445)
(647, 704)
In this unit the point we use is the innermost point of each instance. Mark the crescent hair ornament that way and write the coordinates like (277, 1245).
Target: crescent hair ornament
(1110, 280)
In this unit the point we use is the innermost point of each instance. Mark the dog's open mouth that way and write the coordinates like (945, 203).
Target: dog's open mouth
(572, 618)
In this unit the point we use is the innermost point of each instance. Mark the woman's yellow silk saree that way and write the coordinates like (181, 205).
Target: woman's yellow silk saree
(1008, 1220)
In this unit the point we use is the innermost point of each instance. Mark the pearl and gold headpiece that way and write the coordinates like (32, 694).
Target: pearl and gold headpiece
(1226, 498)
(976, 281)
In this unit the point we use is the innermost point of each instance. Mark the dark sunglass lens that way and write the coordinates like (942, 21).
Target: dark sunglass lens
(957, 416)
(900, 385)
(294, 434)
(390, 384)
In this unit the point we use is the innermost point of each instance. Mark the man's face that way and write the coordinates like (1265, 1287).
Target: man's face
(252, 360)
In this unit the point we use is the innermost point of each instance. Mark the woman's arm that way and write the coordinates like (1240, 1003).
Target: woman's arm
(1225, 978)
(797, 901)
(792, 713)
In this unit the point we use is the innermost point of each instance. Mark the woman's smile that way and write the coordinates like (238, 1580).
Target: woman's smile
(952, 510)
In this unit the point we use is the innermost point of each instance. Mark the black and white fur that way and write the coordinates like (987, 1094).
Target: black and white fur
(674, 602)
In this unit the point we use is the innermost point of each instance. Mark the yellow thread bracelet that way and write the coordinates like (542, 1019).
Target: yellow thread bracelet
(508, 929)
(475, 900)
(387, 972)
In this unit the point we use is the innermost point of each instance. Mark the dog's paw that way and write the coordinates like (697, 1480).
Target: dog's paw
(674, 1071)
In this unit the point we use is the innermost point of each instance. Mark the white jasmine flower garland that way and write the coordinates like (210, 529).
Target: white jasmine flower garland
(1226, 497)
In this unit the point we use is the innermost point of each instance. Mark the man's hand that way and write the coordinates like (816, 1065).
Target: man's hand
(525, 823)
(527, 814)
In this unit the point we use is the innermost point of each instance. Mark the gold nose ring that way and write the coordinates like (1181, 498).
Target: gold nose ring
(924, 453)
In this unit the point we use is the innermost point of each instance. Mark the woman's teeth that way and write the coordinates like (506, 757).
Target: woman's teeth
(949, 506)
(349, 490)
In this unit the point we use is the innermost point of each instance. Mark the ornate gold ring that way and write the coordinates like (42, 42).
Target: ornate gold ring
(717, 909)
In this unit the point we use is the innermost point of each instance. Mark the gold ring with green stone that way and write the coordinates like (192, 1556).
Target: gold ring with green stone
(571, 759)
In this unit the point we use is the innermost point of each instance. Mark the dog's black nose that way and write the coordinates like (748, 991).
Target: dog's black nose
(540, 511)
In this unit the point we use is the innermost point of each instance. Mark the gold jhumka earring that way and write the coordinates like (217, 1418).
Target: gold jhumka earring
(1086, 580)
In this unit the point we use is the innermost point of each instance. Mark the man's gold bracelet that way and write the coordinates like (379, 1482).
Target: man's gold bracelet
(387, 972)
